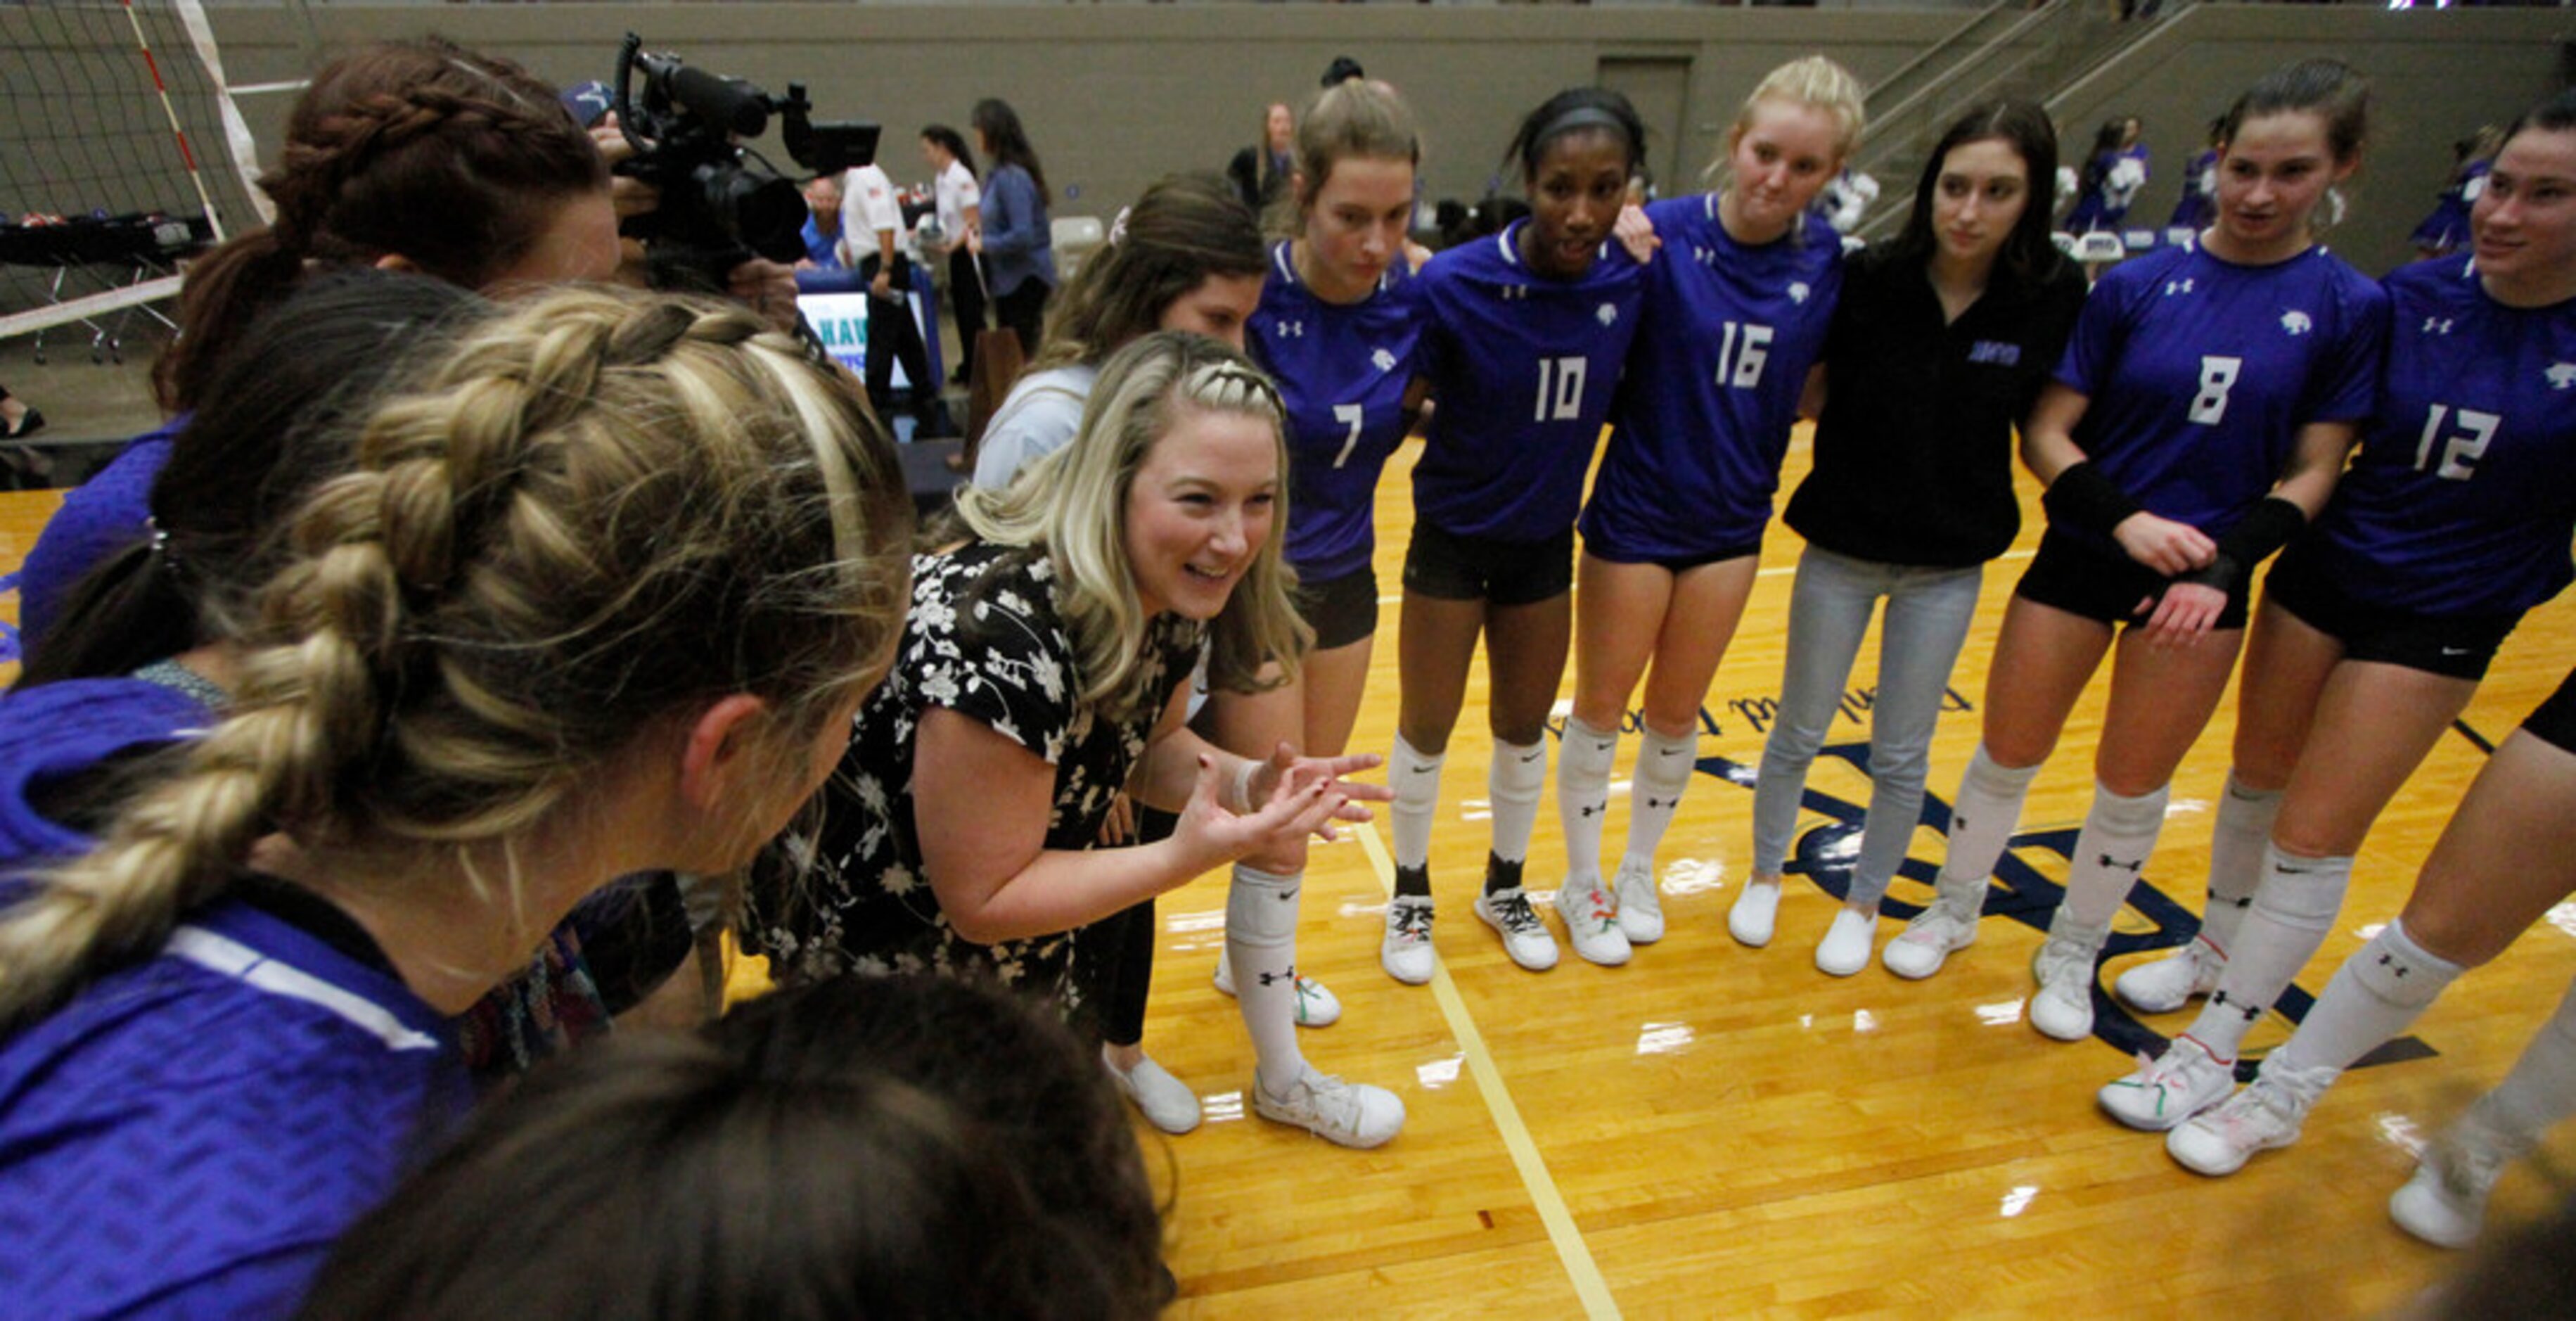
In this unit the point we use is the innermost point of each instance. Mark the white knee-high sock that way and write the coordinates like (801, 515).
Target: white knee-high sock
(2292, 913)
(1415, 778)
(1664, 767)
(1982, 820)
(1517, 780)
(1261, 945)
(2541, 1090)
(1583, 793)
(2236, 846)
(2111, 851)
(2376, 994)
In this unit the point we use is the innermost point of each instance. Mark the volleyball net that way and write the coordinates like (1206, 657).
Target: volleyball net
(121, 151)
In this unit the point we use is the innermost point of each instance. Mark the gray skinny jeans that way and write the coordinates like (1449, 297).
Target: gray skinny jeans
(1928, 610)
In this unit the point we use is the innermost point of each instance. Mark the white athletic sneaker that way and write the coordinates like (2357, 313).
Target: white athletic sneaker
(1524, 932)
(1166, 1102)
(1845, 948)
(1352, 1114)
(1756, 909)
(1316, 1006)
(1592, 921)
(2219, 1141)
(2169, 983)
(2169, 1088)
(1641, 909)
(2446, 1201)
(1945, 926)
(2062, 1007)
(1405, 950)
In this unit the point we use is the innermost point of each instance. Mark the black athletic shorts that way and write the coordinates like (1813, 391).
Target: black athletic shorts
(2080, 580)
(1341, 610)
(2554, 722)
(2454, 646)
(1450, 567)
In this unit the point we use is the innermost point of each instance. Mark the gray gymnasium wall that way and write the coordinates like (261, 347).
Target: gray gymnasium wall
(1115, 95)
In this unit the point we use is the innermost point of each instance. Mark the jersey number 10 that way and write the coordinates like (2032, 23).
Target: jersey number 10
(1560, 388)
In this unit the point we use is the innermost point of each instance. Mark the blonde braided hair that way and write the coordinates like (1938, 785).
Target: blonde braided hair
(594, 513)
(1073, 503)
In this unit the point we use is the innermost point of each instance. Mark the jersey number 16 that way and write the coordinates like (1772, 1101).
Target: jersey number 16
(1739, 362)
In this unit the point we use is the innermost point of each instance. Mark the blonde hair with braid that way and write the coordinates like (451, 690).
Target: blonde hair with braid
(1073, 504)
(591, 515)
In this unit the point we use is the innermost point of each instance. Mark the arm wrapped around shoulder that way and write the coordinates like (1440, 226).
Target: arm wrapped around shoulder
(2270, 526)
(2083, 497)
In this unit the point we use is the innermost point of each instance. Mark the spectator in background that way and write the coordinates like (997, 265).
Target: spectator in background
(872, 223)
(959, 213)
(825, 268)
(1015, 237)
(2198, 205)
(2113, 173)
(16, 418)
(1260, 173)
(2444, 231)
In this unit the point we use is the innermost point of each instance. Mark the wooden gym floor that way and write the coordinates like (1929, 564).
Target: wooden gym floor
(1716, 1131)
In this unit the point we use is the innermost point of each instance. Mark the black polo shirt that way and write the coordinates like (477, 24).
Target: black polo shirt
(1914, 453)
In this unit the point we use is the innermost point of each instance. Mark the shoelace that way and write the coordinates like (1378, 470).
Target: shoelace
(1516, 915)
(1412, 922)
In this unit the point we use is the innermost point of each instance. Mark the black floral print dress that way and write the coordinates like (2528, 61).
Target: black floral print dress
(985, 639)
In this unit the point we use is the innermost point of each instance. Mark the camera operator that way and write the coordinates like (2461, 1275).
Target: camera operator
(767, 287)
(869, 210)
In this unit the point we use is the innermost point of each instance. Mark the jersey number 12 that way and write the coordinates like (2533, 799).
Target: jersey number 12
(2470, 441)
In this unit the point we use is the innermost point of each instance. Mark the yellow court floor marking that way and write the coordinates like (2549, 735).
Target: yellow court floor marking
(1561, 1229)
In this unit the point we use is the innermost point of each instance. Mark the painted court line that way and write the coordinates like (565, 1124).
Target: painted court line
(1561, 1230)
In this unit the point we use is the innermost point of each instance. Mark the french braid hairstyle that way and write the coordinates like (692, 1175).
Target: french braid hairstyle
(455, 160)
(596, 513)
(278, 420)
(1185, 228)
(1073, 505)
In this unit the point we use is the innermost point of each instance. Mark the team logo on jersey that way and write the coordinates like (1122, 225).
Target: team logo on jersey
(1608, 314)
(1798, 291)
(1291, 330)
(2295, 322)
(2437, 325)
(1995, 353)
(2561, 375)
(2181, 286)
(1385, 361)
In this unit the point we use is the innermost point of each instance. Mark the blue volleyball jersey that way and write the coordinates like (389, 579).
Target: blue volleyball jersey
(2200, 374)
(2463, 497)
(188, 1134)
(1342, 370)
(1522, 368)
(1724, 341)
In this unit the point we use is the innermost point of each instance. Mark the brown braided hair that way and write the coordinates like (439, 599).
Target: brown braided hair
(455, 160)
(597, 512)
